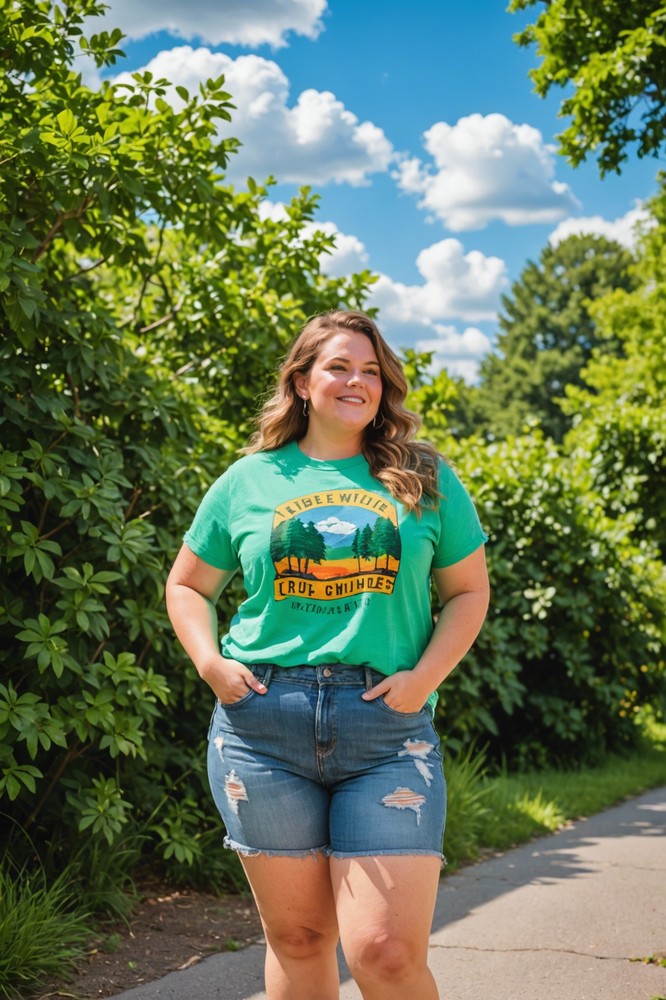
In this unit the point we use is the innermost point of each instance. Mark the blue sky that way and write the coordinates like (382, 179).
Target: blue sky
(417, 125)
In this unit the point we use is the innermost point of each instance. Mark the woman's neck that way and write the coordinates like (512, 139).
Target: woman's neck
(323, 448)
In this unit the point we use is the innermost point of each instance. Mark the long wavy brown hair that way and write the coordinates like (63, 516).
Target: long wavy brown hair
(408, 469)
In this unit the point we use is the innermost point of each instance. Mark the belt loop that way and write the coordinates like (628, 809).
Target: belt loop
(368, 678)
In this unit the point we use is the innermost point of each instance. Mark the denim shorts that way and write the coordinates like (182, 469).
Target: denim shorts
(312, 767)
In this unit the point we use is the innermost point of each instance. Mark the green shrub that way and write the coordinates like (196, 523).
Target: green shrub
(572, 647)
(131, 357)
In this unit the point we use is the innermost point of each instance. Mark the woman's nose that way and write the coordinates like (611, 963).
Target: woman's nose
(356, 378)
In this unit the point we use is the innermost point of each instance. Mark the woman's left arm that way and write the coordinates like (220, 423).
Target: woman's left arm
(464, 592)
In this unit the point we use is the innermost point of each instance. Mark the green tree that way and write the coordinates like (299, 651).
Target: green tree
(385, 540)
(365, 545)
(548, 334)
(143, 307)
(611, 57)
(278, 543)
(445, 402)
(315, 545)
(619, 436)
(356, 547)
(298, 543)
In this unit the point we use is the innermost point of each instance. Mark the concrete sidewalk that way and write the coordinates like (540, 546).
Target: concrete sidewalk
(559, 919)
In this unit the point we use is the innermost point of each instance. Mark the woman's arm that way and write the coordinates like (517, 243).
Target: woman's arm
(192, 591)
(464, 592)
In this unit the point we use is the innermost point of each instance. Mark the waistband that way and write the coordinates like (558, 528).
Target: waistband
(321, 674)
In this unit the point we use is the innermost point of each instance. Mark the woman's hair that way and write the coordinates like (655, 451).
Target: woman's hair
(408, 469)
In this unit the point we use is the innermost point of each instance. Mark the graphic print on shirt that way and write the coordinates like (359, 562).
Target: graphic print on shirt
(334, 544)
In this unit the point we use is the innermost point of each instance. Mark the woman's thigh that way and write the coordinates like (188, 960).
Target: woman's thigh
(293, 895)
(385, 898)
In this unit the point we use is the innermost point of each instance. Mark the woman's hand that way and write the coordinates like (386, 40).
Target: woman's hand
(403, 692)
(229, 679)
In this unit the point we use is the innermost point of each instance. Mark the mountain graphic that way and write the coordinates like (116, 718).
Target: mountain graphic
(336, 541)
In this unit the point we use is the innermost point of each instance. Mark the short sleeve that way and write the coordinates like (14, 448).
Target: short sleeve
(209, 534)
(460, 531)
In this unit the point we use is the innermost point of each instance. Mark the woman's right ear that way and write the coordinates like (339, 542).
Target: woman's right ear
(300, 384)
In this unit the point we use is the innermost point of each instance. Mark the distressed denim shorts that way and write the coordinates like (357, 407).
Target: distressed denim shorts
(312, 767)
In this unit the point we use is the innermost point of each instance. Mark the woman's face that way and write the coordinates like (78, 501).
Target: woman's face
(344, 385)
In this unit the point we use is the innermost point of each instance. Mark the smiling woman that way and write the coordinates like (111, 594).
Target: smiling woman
(342, 390)
(323, 759)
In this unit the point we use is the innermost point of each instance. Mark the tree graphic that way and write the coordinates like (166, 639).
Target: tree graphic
(278, 544)
(315, 545)
(365, 544)
(296, 541)
(385, 541)
(356, 547)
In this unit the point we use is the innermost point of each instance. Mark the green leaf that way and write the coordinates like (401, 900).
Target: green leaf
(66, 121)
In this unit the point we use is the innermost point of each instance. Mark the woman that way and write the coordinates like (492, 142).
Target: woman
(323, 759)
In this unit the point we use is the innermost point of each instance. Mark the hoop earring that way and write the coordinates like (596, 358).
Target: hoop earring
(306, 408)
(374, 421)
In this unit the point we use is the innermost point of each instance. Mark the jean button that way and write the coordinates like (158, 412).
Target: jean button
(327, 672)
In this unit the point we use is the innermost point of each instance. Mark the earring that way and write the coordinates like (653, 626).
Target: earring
(374, 421)
(306, 408)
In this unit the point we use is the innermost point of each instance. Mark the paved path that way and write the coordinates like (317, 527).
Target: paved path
(559, 919)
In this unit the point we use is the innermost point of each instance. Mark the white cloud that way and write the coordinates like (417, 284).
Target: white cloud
(314, 141)
(237, 22)
(348, 256)
(87, 67)
(459, 353)
(456, 284)
(487, 168)
(625, 229)
(334, 526)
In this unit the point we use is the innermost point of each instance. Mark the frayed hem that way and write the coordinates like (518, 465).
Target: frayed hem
(256, 852)
(398, 852)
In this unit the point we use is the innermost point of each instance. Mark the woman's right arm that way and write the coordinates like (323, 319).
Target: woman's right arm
(192, 591)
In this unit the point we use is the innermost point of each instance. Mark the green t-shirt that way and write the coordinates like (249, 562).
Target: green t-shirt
(336, 569)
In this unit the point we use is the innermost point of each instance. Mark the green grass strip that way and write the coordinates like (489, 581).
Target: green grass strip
(497, 811)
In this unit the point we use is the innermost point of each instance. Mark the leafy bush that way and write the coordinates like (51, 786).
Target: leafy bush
(132, 356)
(572, 647)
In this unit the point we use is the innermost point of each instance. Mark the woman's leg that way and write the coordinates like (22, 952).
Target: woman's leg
(295, 902)
(385, 906)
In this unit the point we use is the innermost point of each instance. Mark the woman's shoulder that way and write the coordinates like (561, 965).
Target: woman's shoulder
(255, 462)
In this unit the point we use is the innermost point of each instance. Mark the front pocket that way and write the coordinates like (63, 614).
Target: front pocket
(230, 705)
(263, 673)
(393, 711)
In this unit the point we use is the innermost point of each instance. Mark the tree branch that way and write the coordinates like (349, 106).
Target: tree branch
(48, 239)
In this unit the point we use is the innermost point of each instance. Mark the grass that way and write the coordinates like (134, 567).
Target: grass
(41, 935)
(497, 811)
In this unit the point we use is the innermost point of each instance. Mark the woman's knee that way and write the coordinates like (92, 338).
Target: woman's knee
(301, 942)
(385, 957)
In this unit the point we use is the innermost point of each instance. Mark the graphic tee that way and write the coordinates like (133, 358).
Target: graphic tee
(336, 570)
